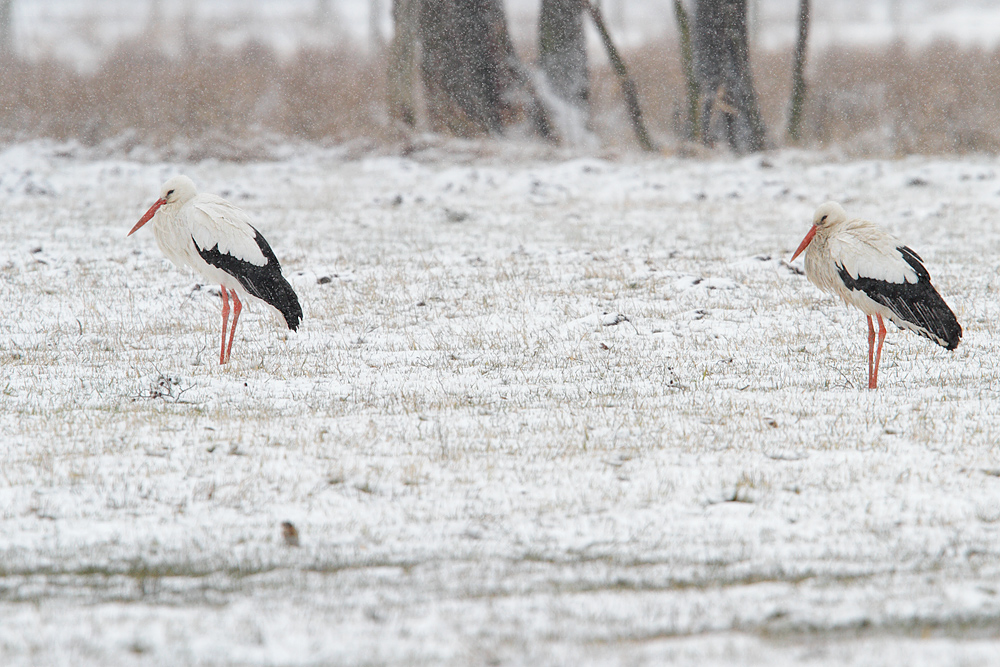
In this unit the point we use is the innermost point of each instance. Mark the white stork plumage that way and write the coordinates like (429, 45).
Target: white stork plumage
(215, 238)
(869, 269)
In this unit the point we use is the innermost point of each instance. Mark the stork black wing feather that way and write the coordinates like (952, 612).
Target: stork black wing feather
(264, 282)
(915, 306)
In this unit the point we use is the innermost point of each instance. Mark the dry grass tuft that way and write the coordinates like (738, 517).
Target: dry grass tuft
(941, 99)
(207, 102)
(233, 104)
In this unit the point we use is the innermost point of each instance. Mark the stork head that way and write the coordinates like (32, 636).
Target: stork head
(827, 216)
(177, 191)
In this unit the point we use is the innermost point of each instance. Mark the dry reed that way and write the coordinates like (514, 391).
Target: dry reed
(233, 104)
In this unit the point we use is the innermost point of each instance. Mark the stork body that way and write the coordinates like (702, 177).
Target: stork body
(872, 271)
(214, 238)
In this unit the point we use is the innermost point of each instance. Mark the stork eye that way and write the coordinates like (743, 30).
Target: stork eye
(823, 219)
(170, 192)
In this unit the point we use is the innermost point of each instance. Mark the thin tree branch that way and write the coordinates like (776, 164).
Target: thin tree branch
(687, 63)
(628, 85)
(798, 78)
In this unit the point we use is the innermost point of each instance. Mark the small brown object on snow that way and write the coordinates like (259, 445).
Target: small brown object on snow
(290, 533)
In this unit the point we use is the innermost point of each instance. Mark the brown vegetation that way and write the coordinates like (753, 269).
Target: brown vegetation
(212, 102)
(887, 101)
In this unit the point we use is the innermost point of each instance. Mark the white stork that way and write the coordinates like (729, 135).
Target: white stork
(869, 269)
(215, 238)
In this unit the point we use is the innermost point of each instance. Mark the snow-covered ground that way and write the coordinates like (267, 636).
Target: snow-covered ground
(574, 411)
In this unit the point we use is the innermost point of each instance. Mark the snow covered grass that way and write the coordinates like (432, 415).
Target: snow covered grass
(573, 412)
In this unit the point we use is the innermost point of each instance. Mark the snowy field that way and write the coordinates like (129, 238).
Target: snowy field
(575, 411)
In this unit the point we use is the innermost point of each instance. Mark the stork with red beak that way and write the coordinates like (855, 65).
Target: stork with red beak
(872, 271)
(215, 238)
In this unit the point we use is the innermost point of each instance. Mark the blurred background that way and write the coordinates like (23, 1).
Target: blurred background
(237, 78)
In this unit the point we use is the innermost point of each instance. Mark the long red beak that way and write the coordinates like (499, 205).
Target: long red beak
(149, 214)
(802, 246)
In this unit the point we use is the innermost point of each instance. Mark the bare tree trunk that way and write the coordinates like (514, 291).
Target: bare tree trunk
(155, 18)
(687, 64)
(895, 16)
(402, 61)
(626, 82)
(474, 83)
(723, 69)
(562, 51)
(753, 21)
(323, 12)
(375, 39)
(468, 66)
(6, 28)
(798, 77)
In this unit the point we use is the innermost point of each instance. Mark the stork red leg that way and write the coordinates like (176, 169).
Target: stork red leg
(871, 349)
(237, 307)
(225, 322)
(878, 355)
